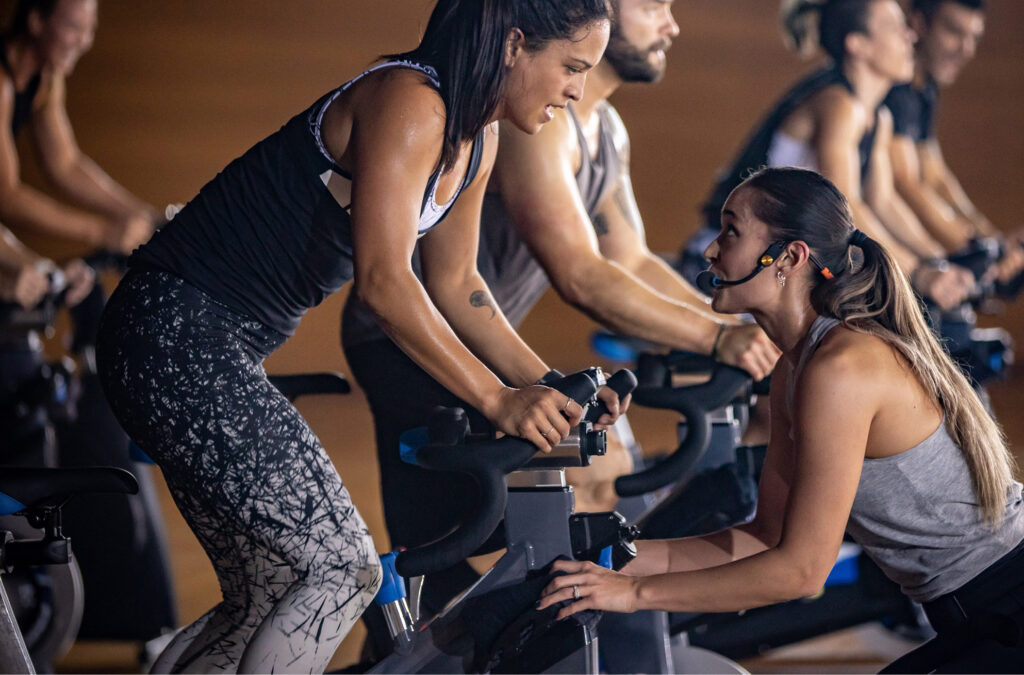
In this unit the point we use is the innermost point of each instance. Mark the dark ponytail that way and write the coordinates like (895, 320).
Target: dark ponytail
(858, 282)
(808, 24)
(465, 43)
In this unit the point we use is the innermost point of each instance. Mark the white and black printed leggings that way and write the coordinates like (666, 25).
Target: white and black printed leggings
(295, 562)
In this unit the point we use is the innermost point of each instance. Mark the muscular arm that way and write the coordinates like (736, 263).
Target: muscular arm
(824, 472)
(392, 150)
(75, 174)
(839, 128)
(21, 205)
(621, 238)
(448, 255)
(937, 216)
(885, 201)
(735, 543)
(940, 177)
(535, 177)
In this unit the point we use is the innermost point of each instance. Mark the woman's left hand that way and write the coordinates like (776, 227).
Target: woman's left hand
(592, 587)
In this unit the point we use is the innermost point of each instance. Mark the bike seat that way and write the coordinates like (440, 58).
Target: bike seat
(303, 384)
(27, 488)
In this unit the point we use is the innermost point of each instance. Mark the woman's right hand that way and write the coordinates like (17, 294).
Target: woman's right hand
(946, 285)
(747, 346)
(537, 414)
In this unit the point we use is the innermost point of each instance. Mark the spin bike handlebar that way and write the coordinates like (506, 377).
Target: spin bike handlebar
(694, 403)
(487, 462)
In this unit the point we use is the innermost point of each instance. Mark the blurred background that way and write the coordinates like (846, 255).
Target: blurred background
(174, 90)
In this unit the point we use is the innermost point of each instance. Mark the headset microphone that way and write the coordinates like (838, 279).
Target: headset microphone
(708, 281)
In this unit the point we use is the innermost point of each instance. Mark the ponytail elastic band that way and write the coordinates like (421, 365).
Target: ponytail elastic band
(857, 238)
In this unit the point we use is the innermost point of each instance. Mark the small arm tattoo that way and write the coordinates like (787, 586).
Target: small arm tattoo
(482, 299)
(600, 224)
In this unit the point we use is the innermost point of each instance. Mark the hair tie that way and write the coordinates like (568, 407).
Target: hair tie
(857, 238)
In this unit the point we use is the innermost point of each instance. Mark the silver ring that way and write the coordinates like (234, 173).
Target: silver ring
(575, 592)
(545, 434)
(567, 402)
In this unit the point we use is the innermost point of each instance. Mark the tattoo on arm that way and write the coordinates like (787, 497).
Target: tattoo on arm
(482, 299)
(600, 224)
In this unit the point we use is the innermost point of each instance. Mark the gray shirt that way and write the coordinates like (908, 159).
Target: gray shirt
(514, 276)
(916, 513)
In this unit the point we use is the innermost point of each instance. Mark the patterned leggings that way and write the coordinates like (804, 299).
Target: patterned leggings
(295, 562)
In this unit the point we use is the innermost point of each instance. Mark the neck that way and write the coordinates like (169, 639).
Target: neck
(869, 87)
(23, 61)
(601, 83)
(787, 323)
(920, 73)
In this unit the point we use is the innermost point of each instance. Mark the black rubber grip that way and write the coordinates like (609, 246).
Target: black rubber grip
(694, 403)
(623, 382)
(487, 463)
(305, 384)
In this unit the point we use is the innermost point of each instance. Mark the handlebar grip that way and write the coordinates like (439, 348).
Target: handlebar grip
(487, 463)
(694, 403)
(623, 382)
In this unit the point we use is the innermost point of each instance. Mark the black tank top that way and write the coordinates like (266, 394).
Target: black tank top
(266, 236)
(755, 152)
(913, 110)
(515, 278)
(22, 99)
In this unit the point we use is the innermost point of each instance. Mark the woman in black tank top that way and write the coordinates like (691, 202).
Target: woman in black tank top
(341, 192)
(834, 122)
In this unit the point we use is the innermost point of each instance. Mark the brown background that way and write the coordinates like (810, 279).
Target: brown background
(174, 90)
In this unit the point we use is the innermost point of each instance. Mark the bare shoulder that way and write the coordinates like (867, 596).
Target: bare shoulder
(848, 361)
(617, 128)
(400, 98)
(836, 108)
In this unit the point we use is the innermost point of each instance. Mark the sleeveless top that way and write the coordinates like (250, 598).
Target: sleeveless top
(22, 99)
(916, 513)
(271, 235)
(515, 278)
(913, 110)
(755, 153)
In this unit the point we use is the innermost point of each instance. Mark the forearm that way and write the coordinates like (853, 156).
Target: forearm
(657, 274)
(87, 185)
(901, 223)
(611, 295)
(478, 321)
(406, 314)
(14, 254)
(25, 207)
(940, 220)
(762, 579)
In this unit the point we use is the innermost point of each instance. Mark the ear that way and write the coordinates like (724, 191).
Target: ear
(515, 45)
(35, 23)
(857, 44)
(794, 257)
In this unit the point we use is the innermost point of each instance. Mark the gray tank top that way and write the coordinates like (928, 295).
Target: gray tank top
(516, 279)
(916, 513)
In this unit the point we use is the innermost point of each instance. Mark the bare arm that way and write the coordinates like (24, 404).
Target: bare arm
(448, 254)
(941, 220)
(885, 201)
(940, 177)
(535, 177)
(393, 147)
(826, 468)
(735, 543)
(840, 126)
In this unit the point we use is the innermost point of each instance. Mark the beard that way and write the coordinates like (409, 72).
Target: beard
(631, 63)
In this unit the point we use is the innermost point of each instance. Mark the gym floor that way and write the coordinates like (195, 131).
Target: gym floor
(174, 90)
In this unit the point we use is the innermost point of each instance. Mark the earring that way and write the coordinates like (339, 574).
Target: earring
(781, 278)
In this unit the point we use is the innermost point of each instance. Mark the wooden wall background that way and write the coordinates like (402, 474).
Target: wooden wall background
(173, 90)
